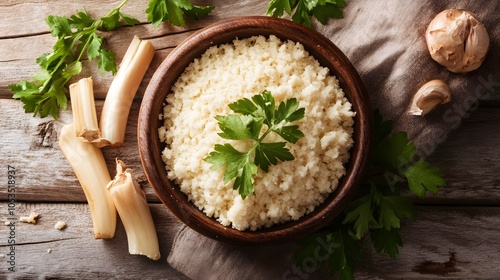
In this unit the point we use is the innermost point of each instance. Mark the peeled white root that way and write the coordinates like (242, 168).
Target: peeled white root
(90, 168)
(130, 201)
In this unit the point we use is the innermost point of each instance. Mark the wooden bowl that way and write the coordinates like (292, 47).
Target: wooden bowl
(226, 31)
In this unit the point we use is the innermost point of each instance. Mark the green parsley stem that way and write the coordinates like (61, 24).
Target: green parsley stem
(119, 6)
(85, 46)
(48, 82)
(269, 129)
(45, 84)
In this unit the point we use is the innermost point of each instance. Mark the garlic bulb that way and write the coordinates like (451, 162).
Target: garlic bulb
(457, 40)
(430, 95)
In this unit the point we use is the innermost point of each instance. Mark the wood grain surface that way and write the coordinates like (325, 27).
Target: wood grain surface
(455, 235)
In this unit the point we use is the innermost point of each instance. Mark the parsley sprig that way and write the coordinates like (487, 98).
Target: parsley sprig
(380, 210)
(174, 11)
(302, 11)
(247, 124)
(76, 36)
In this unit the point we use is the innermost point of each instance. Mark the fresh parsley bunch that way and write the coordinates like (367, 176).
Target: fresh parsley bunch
(76, 36)
(174, 11)
(379, 210)
(247, 124)
(303, 10)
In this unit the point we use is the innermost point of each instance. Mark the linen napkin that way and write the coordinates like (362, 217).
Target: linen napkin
(385, 42)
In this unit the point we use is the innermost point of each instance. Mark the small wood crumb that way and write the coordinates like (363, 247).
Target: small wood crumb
(49, 250)
(60, 225)
(7, 223)
(31, 219)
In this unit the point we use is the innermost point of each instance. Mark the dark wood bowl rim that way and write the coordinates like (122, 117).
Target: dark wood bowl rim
(223, 32)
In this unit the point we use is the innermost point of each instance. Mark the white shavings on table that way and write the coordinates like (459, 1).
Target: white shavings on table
(31, 219)
(60, 225)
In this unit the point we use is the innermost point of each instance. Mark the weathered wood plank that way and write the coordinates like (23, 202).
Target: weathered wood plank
(41, 251)
(470, 233)
(28, 141)
(470, 161)
(17, 58)
(24, 18)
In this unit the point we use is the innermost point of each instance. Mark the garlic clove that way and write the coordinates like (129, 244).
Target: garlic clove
(430, 95)
(457, 40)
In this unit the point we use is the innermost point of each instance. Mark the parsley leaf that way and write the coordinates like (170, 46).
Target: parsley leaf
(265, 107)
(77, 36)
(394, 151)
(361, 214)
(235, 127)
(328, 10)
(422, 176)
(174, 11)
(348, 253)
(392, 209)
(335, 248)
(302, 11)
(290, 133)
(277, 7)
(301, 14)
(387, 241)
(254, 113)
(114, 19)
(244, 181)
(238, 165)
(380, 208)
(289, 111)
(267, 154)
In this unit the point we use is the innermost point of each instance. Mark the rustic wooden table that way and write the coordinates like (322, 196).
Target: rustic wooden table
(455, 236)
